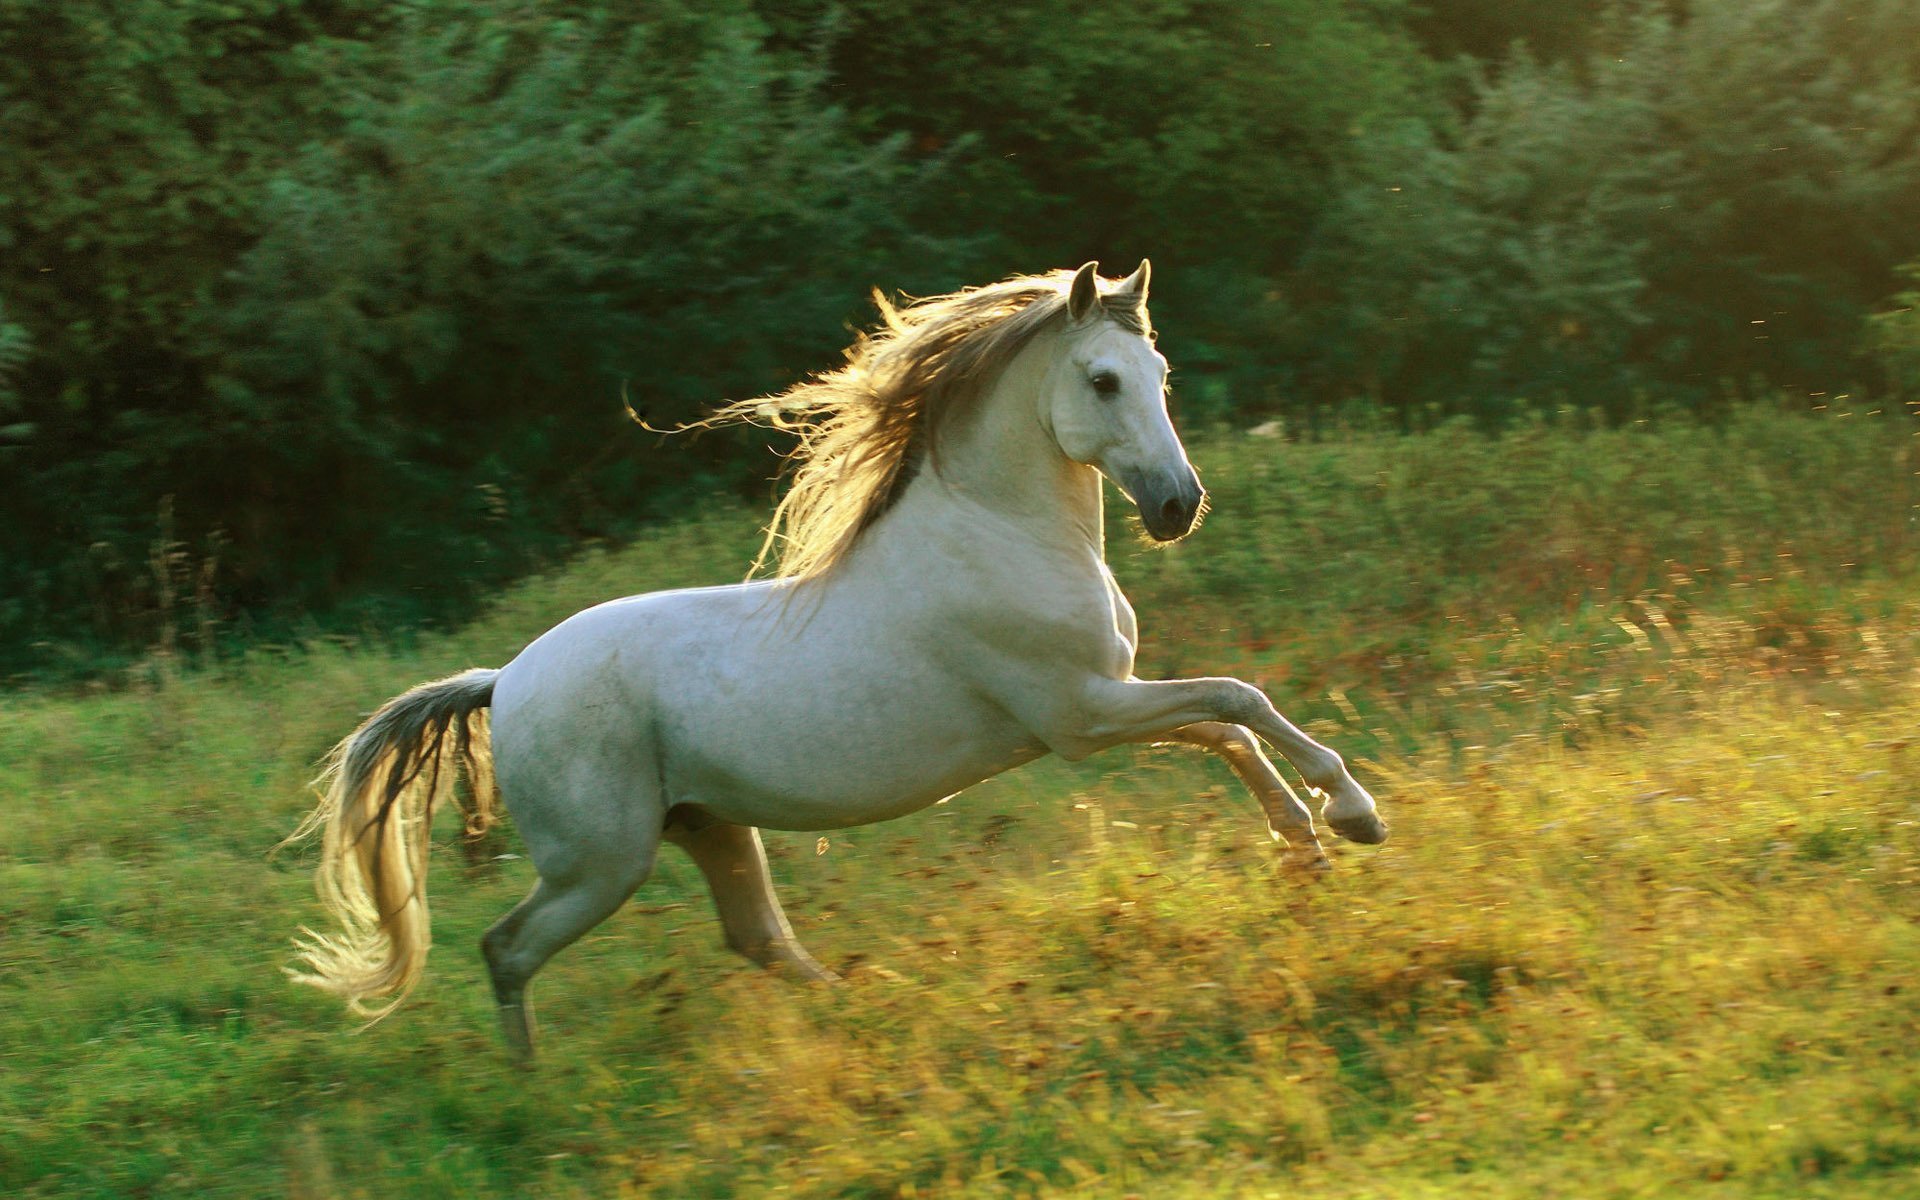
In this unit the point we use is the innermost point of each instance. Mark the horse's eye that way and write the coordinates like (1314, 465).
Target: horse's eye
(1106, 383)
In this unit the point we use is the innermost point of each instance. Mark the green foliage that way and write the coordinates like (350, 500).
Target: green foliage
(1110, 131)
(519, 220)
(1894, 335)
(137, 135)
(1456, 522)
(1489, 29)
(1345, 555)
(1710, 202)
(15, 345)
(1204, 136)
(392, 355)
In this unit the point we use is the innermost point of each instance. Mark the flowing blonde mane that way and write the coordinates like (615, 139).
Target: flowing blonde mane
(866, 428)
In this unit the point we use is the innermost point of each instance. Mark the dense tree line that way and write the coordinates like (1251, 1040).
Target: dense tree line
(329, 307)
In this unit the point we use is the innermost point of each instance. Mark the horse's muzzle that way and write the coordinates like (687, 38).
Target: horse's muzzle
(1169, 504)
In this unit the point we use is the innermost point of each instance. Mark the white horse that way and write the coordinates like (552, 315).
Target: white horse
(943, 612)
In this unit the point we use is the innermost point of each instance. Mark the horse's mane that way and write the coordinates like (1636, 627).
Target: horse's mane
(866, 428)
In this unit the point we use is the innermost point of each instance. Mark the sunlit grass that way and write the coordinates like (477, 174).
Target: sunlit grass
(1646, 925)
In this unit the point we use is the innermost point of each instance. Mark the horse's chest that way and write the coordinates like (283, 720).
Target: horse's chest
(1090, 631)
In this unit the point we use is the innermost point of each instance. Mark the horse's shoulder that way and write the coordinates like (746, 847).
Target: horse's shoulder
(1075, 620)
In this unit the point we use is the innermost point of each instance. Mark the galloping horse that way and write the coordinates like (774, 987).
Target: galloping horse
(942, 612)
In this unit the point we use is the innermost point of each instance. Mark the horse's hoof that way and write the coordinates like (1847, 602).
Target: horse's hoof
(1311, 864)
(516, 1023)
(797, 966)
(1367, 828)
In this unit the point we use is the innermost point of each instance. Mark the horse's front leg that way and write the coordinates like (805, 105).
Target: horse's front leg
(1287, 819)
(1112, 711)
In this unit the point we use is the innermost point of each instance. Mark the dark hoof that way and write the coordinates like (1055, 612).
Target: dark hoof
(1367, 829)
(792, 964)
(809, 972)
(1310, 864)
(516, 1022)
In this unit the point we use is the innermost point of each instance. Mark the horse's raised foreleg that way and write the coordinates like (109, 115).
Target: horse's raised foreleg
(1287, 818)
(1111, 711)
(735, 865)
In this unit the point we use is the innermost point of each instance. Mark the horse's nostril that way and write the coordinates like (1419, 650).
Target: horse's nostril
(1173, 513)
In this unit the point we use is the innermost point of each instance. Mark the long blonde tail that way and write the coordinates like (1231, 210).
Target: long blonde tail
(377, 795)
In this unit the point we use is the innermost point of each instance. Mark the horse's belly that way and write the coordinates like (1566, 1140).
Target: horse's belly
(827, 757)
(714, 698)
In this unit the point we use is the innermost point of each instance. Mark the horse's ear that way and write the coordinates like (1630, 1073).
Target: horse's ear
(1133, 289)
(1084, 296)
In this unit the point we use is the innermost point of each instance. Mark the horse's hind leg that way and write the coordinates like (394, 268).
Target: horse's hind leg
(735, 865)
(556, 912)
(1287, 818)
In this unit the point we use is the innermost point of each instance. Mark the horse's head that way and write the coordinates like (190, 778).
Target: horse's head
(1108, 403)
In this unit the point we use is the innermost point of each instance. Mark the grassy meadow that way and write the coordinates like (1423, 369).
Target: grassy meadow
(1641, 704)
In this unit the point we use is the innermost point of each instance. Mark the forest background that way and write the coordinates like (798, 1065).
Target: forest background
(323, 314)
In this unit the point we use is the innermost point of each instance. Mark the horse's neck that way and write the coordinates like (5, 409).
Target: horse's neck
(1000, 458)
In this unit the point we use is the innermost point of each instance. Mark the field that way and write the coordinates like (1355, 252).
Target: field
(1642, 705)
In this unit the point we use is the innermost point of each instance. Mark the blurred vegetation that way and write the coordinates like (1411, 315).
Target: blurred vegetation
(1895, 335)
(1647, 925)
(319, 314)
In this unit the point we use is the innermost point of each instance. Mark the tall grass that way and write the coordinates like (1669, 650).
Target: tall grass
(1641, 704)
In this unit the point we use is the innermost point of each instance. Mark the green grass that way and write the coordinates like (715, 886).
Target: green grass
(1642, 705)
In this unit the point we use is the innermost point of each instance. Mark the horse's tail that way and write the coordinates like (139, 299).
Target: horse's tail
(377, 795)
